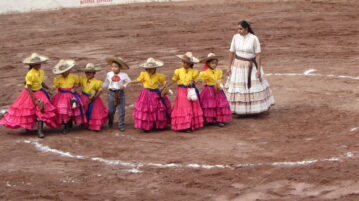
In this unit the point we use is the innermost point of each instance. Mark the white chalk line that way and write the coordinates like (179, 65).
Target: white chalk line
(135, 167)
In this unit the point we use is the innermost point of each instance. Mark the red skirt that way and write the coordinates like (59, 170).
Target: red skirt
(151, 111)
(97, 113)
(215, 105)
(24, 113)
(186, 114)
(64, 112)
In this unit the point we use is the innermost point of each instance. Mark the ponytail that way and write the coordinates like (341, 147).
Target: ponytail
(247, 26)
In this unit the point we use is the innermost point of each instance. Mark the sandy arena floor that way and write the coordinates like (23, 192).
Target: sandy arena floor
(305, 148)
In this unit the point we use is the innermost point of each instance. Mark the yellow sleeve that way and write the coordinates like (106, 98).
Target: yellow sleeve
(29, 78)
(82, 80)
(162, 79)
(203, 75)
(141, 78)
(56, 82)
(175, 76)
(76, 79)
(195, 75)
(99, 85)
(42, 75)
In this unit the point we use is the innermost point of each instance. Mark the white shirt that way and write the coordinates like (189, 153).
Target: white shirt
(115, 81)
(245, 46)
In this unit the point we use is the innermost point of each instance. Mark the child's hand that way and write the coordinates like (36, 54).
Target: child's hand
(73, 90)
(259, 75)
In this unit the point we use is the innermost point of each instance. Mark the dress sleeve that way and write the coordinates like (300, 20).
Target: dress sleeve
(232, 48)
(99, 85)
(203, 75)
(107, 82)
(141, 78)
(175, 76)
(29, 79)
(257, 46)
(56, 82)
(162, 79)
(76, 79)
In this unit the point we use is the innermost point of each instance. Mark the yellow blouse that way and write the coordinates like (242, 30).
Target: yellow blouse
(211, 76)
(183, 76)
(151, 81)
(68, 82)
(90, 86)
(35, 78)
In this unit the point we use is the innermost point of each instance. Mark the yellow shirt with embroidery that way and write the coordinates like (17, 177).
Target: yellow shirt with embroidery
(35, 78)
(68, 82)
(211, 76)
(151, 81)
(183, 76)
(90, 86)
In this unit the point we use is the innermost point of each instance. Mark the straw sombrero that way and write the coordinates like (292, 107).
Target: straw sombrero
(188, 57)
(117, 60)
(35, 59)
(90, 68)
(210, 56)
(63, 66)
(152, 63)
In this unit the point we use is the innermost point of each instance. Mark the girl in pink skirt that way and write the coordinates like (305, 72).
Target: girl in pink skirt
(67, 101)
(96, 111)
(214, 103)
(33, 105)
(187, 114)
(151, 109)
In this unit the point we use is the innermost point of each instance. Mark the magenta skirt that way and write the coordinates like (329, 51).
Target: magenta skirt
(64, 112)
(24, 113)
(186, 114)
(151, 111)
(215, 105)
(97, 113)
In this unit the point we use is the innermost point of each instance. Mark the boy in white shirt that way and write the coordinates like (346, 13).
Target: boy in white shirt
(116, 82)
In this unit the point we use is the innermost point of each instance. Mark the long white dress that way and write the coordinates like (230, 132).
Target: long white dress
(245, 99)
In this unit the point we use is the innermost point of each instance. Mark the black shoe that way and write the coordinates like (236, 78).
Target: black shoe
(66, 129)
(110, 124)
(122, 129)
(40, 127)
(220, 124)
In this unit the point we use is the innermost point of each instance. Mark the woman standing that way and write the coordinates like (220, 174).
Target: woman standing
(247, 91)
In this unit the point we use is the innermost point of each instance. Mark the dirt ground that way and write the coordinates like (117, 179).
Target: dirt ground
(313, 124)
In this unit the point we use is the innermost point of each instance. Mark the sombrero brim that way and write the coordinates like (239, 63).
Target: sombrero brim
(92, 70)
(204, 60)
(29, 61)
(188, 60)
(57, 71)
(123, 65)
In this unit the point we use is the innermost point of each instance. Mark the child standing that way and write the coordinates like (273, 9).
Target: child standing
(151, 110)
(115, 82)
(213, 100)
(187, 114)
(67, 101)
(96, 111)
(33, 105)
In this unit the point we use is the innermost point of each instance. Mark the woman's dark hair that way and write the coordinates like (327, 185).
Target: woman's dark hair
(246, 25)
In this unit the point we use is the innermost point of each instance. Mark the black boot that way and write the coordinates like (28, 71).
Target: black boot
(40, 127)
(67, 127)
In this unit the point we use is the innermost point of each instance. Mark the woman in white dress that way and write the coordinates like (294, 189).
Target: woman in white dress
(247, 91)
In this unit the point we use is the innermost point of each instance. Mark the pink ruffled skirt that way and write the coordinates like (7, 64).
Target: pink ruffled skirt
(24, 113)
(64, 112)
(151, 111)
(186, 114)
(215, 105)
(97, 114)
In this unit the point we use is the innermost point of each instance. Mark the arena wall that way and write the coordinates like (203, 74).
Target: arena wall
(35, 5)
